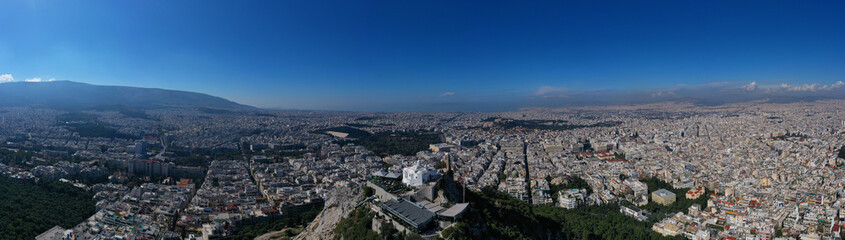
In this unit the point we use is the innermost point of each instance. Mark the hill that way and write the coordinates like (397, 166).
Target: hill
(75, 95)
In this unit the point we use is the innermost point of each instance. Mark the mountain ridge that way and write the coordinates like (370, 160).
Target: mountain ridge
(76, 95)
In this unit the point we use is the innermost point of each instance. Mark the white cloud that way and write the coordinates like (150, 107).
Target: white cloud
(811, 87)
(661, 93)
(446, 94)
(6, 78)
(32, 80)
(51, 79)
(549, 91)
(750, 87)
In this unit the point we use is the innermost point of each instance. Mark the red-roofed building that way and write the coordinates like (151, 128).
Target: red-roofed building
(694, 193)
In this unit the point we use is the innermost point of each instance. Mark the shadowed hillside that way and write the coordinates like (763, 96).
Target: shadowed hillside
(74, 95)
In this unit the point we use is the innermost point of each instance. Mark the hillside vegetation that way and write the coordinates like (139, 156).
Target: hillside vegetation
(31, 208)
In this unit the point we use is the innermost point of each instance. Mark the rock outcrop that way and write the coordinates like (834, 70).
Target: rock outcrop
(339, 204)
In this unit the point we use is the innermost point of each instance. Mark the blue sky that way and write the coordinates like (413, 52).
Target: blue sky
(421, 55)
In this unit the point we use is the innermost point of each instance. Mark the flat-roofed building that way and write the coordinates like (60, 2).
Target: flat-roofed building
(55, 233)
(454, 213)
(572, 198)
(440, 147)
(663, 197)
(639, 192)
(412, 215)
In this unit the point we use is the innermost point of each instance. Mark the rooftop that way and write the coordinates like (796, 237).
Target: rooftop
(455, 210)
(663, 193)
(409, 212)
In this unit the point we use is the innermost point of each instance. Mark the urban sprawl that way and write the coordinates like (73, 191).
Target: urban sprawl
(765, 170)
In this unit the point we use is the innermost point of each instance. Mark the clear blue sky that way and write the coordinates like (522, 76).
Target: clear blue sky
(409, 55)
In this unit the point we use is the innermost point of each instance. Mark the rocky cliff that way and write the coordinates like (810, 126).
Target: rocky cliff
(339, 204)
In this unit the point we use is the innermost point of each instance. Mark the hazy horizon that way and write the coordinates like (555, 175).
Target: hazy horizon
(433, 56)
(702, 95)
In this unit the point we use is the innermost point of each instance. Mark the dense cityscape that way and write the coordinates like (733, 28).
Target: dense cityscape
(745, 171)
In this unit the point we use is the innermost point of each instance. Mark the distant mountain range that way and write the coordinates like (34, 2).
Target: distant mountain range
(702, 95)
(75, 95)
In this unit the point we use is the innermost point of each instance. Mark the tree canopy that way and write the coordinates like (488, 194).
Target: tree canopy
(497, 215)
(28, 209)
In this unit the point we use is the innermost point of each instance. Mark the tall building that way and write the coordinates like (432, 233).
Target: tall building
(150, 167)
(140, 149)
